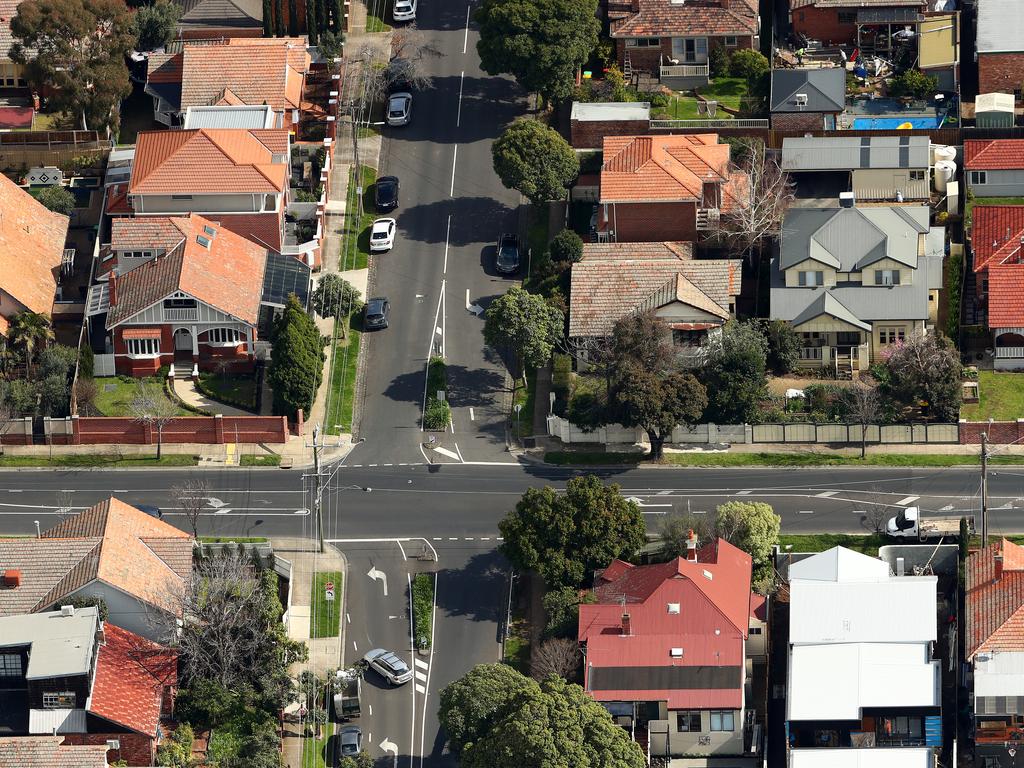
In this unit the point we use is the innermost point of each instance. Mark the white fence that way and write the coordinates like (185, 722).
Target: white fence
(616, 434)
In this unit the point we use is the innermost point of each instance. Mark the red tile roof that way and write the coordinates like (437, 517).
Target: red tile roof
(1006, 296)
(664, 18)
(117, 199)
(994, 154)
(997, 232)
(131, 673)
(262, 228)
(210, 161)
(50, 752)
(995, 608)
(256, 71)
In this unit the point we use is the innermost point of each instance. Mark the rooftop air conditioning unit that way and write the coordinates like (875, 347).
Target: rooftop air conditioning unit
(801, 99)
(113, 744)
(677, 653)
(67, 610)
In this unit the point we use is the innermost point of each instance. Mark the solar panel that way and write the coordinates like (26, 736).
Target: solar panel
(285, 275)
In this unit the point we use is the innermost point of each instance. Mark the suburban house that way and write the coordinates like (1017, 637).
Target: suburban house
(137, 564)
(999, 47)
(49, 752)
(32, 253)
(994, 648)
(665, 188)
(853, 281)
(245, 70)
(12, 74)
(694, 297)
(214, 19)
(872, 167)
(997, 246)
(868, 24)
(590, 122)
(68, 673)
(994, 167)
(178, 290)
(807, 99)
(863, 689)
(665, 652)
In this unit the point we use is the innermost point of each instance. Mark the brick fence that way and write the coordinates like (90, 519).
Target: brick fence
(112, 430)
(999, 432)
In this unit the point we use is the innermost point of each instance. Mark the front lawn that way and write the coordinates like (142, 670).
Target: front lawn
(239, 391)
(819, 542)
(114, 394)
(1000, 397)
(342, 384)
(326, 617)
(727, 91)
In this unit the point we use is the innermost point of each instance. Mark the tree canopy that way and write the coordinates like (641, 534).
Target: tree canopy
(534, 159)
(525, 325)
(565, 536)
(296, 361)
(539, 42)
(155, 24)
(334, 296)
(734, 374)
(783, 346)
(925, 371)
(471, 705)
(58, 199)
(566, 247)
(657, 402)
(753, 527)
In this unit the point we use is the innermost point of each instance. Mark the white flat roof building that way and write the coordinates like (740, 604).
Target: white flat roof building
(875, 757)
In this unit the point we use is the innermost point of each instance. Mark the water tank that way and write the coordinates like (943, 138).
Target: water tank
(941, 152)
(945, 170)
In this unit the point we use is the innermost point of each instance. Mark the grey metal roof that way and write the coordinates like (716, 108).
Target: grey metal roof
(60, 645)
(888, 16)
(611, 110)
(837, 153)
(825, 89)
(825, 303)
(850, 239)
(56, 721)
(242, 116)
(1000, 26)
(242, 14)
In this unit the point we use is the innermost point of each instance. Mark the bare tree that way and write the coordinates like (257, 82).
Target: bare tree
(866, 407)
(151, 406)
(191, 498)
(85, 397)
(409, 46)
(762, 194)
(65, 505)
(559, 656)
(874, 519)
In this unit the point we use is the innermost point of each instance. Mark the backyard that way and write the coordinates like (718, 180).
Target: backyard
(727, 91)
(114, 394)
(1000, 397)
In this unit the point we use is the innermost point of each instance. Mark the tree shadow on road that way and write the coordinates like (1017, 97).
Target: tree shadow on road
(476, 590)
(474, 220)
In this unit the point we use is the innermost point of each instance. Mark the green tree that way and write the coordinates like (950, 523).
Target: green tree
(259, 748)
(30, 332)
(539, 42)
(279, 17)
(675, 532)
(204, 703)
(55, 396)
(566, 247)
(331, 44)
(913, 83)
(57, 360)
(753, 527)
(293, 18)
(19, 397)
(58, 199)
(783, 346)
(360, 760)
(525, 325)
(176, 751)
(296, 361)
(562, 608)
(470, 705)
(154, 25)
(925, 371)
(312, 20)
(748, 64)
(564, 537)
(534, 159)
(268, 17)
(76, 48)
(335, 297)
(734, 374)
(718, 61)
(337, 21)
(657, 402)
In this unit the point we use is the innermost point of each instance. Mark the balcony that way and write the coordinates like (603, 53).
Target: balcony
(180, 314)
(684, 70)
(811, 353)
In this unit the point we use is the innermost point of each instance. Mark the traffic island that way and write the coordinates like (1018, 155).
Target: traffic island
(422, 601)
(325, 620)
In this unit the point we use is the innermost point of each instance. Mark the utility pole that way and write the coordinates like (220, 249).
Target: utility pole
(318, 493)
(984, 490)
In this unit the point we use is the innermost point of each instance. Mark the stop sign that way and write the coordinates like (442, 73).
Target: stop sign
(329, 586)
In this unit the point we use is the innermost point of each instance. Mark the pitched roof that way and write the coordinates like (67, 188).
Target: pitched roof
(210, 161)
(31, 247)
(1006, 296)
(614, 279)
(49, 752)
(825, 90)
(227, 275)
(221, 14)
(48, 567)
(994, 154)
(256, 71)
(131, 673)
(997, 235)
(995, 609)
(658, 18)
(1000, 27)
(840, 153)
(827, 304)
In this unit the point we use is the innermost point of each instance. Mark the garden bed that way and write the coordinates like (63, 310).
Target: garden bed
(437, 414)
(422, 601)
(114, 394)
(239, 391)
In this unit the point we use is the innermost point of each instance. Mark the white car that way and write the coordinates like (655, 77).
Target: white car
(399, 108)
(389, 665)
(382, 235)
(404, 10)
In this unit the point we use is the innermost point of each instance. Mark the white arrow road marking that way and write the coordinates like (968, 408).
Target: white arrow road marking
(391, 748)
(476, 309)
(214, 502)
(946, 508)
(639, 503)
(374, 574)
(222, 511)
(742, 493)
(903, 502)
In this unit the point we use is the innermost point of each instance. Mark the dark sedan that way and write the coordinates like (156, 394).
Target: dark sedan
(385, 193)
(377, 313)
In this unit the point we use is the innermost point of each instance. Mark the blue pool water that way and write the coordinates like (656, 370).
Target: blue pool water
(889, 123)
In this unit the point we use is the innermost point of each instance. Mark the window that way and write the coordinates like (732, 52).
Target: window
(887, 277)
(682, 338)
(754, 631)
(10, 665)
(227, 336)
(673, 608)
(135, 254)
(688, 721)
(979, 177)
(203, 241)
(643, 42)
(270, 202)
(143, 347)
(890, 335)
(810, 278)
(62, 700)
(730, 41)
(847, 17)
(179, 303)
(917, 175)
(209, 230)
(722, 721)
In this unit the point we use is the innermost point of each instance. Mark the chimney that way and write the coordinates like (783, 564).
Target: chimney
(12, 578)
(998, 558)
(112, 287)
(691, 546)
(626, 626)
(724, 4)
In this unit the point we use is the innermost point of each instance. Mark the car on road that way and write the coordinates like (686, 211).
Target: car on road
(399, 108)
(376, 314)
(389, 665)
(382, 235)
(404, 10)
(349, 743)
(508, 260)
(385, 193)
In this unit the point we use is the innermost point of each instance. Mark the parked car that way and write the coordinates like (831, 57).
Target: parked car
(404, 10)
(385, 193)
(507, 260)
(348, 744)
(382, 235)
(389, 665)
(399, 108)
(376, 314)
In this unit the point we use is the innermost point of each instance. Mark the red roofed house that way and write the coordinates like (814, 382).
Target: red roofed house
(665, 649)
(671, 40)
(665, 188)
(995, 167)
(994, 646)
(997, 245)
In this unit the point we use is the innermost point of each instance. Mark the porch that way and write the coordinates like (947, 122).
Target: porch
(1008, 348)
(842, 351)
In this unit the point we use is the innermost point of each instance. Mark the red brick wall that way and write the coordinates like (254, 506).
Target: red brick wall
(1002, 432)
(797, 121)
(650, 59)
(100, 430)
(653, 222)
(589, 134)
(1000, 72)
(823, 24)
(135, 748)
(208, 356)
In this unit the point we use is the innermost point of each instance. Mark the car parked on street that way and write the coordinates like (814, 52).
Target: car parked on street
(376, 315)
(389, 665)
(399, 108)
(507, 261)
(404, 10)
(382, 235)
(348, 744)
(385, 193)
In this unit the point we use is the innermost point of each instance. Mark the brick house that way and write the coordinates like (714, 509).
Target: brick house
(49, 752)
(665, 188)
(999, 46)
(672, 40)
(213, 19)
(997, 245)
(846, 22)
(807, 99)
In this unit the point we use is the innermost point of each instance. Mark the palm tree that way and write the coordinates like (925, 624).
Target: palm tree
(30, 331)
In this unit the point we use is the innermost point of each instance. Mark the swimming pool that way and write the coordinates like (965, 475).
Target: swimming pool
(889, 123)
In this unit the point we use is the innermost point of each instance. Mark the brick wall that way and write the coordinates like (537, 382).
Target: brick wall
(136, 748)
(797, 121)
(1000, 72)
(589, 134)
(823, 24)
(1000, 432)
(211, 430)
(653, 222)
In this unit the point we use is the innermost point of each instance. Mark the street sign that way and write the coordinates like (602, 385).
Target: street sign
(329, 586)
(329, 594)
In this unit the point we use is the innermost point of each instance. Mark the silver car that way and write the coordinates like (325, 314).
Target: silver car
(399, 108)
(349, 743)
(389, 665)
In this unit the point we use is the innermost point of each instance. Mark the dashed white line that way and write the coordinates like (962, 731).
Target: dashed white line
(472, 416)
(437, 538)
(469, 538)
(485, 538)
(455, 156)
(354, 646)
(806, 511)
(458, 116)
(700, 511)
(903, 502)
(859, 512)
(465, 37)
(453, 538)
(348, 619)
(420, 688)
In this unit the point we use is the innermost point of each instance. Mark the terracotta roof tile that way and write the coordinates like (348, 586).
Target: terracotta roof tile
(995, 609)
(49, 752)
(164, 68)
(664, 18)
(48, 567)
(994, 154)
(997, 234)
(31, 246)
(661, 168)
(265, 229)
(152, 233)
(1006, 296)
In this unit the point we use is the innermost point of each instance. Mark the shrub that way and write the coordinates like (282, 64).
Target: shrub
(423, 608)
(305, 196)
(438, 415)
(57, 199)
(566, 247)
(561, 374)
(748, 64)
(913, 83)
(659, 100)
(718, 61)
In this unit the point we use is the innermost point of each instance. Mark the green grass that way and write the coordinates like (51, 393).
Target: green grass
(355, 232)
(437, 414)
(819, 542)
(342, 385)
(314, 750)
(375, 15)
(50, 121)
(114, 394)
(727, 91)
(525, 396)
(231, 389)
(563, 458)
(969, 205)
(266, 460)
(517, 649)
(1000, 397)
(100, 460)
(423, 609)
(237, 539)
(325, 620)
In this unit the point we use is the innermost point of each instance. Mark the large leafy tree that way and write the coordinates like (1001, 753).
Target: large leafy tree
(58, 199)
(76, 48)
(539, 42)
(564, 537)
(734, 374)
(525, 325)
(753, 527)
(471, 705)
(925, 370)
(534, 159)
(155, 24)
(296, 361)
(335, 297)
(657, 402)
(783, 346)
(30, 332)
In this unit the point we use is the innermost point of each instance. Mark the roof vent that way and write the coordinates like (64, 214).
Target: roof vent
(801, 99)
(673, 608)
(708, 575)
(12, 578)
(67, 610)
(677, 653)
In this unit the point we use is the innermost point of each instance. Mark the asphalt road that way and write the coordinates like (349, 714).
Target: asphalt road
(452, 208)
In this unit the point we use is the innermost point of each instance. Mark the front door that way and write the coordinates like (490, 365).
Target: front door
(182, 344)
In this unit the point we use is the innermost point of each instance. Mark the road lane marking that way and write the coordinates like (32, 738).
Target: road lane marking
(412, 644)
(738, 493)
(455, 156)
(446, 452)
(826, 494)
(421, 663)
(859, 512)
(457, 445)
(354, 646)
(472, 416)
(377, 575)
(420, 688)
(421, 677)
(348, 619)
(458, 116)
(903, 502)
(946, 508)
(447, 235)
(806, 512)
(465, 36)
(426, 367)
(423, 721)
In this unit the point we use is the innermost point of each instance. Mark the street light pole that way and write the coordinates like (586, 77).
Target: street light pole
(318, 497)
(984, 490)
